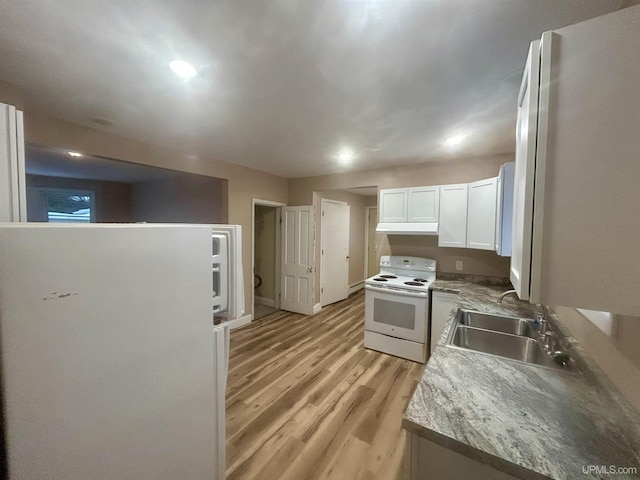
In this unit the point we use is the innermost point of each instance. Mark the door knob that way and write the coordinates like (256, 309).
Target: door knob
(310, 269)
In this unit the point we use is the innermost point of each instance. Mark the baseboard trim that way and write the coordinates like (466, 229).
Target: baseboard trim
(267, 302)
(239, 322)
(316, 308)
(356, 286)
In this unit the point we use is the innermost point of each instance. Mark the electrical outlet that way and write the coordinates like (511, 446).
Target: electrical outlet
(459, 265)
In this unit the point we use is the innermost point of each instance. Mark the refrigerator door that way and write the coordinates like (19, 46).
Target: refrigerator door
(235, 304)
(110, 363)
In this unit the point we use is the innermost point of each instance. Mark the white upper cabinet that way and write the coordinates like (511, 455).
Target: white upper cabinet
(481, 214)
(578, 162)
(414, 205)
(453, 215)
(423, 204)
(526, 130)
(504, 209)
(393, 205)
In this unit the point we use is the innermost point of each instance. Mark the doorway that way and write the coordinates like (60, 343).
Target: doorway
(266, 257)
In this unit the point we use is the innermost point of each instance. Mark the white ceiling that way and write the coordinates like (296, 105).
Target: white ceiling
(285, 84)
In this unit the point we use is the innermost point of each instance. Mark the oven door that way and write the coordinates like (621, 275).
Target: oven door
(397, 313)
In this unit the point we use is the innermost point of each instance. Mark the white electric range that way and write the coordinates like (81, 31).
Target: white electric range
(397, 307)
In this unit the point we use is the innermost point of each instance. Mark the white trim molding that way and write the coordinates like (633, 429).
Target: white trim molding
(316, 308)
(239, 322)
(267, 302)
(356, 286)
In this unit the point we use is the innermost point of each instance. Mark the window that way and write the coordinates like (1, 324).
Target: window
(62, 205)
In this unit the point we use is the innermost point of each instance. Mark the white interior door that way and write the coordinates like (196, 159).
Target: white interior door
(297, 243)
(334, 263)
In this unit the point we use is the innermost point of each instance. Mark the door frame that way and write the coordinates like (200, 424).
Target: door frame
(367, 212)
(278, 206)
(337, 202)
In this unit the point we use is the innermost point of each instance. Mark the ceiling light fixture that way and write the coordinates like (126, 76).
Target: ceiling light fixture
(455, 140)
(346, 156)
(183, 69)
(75, 154)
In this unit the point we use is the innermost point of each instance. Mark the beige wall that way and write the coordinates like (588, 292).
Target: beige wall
(180, 199)
(265, 247)
(475, 262)
(441, 173)
(244, 183)
(11, 95)
(617, 355)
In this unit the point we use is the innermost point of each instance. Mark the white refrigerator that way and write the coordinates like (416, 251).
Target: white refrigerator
(112, 367)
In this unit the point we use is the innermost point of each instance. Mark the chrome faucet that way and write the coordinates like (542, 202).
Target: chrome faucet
(504, 295)
(543, 319)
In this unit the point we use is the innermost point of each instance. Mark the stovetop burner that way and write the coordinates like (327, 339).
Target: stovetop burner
(378, 279)
(421, 280)
(414, 284)
(388, 276)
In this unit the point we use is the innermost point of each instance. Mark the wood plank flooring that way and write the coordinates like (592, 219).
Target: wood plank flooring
(306, 400)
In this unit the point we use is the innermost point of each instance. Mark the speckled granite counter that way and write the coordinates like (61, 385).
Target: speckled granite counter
(524, 420)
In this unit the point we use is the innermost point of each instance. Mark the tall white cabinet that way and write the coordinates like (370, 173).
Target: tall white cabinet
(481, 215)
(576, 225)
(13, 200)
(453, 215)
(526, 129)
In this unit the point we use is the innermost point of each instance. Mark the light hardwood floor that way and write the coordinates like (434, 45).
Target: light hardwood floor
(306, 400)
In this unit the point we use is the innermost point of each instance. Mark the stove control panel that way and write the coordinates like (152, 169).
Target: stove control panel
(409, 263)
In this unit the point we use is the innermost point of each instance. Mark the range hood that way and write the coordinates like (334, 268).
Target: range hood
(406, 228)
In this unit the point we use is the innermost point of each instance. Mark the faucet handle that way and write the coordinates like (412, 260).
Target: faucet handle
(550, 341)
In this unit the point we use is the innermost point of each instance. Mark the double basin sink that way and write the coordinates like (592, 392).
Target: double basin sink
(508, 337)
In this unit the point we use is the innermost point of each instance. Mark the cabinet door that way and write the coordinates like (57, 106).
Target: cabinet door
(452, 226)
(424, 204)
(481, 225)
(393, 205)
(441, 305)
(526, 131)
(504, 209)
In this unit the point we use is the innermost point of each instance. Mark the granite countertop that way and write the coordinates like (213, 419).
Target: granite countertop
(525, 420)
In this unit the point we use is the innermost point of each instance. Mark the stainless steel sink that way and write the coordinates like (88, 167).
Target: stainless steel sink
(498, 323)
(507, 337)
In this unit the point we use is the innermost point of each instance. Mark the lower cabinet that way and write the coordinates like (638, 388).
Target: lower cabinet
(441, 305)
(426, 460)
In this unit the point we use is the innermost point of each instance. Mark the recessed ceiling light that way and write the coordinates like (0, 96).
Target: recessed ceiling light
(183, 69)
(75, 154)
(346, 156)
(455, 140)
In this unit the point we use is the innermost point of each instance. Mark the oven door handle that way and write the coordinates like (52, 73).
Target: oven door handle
(394, 291)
